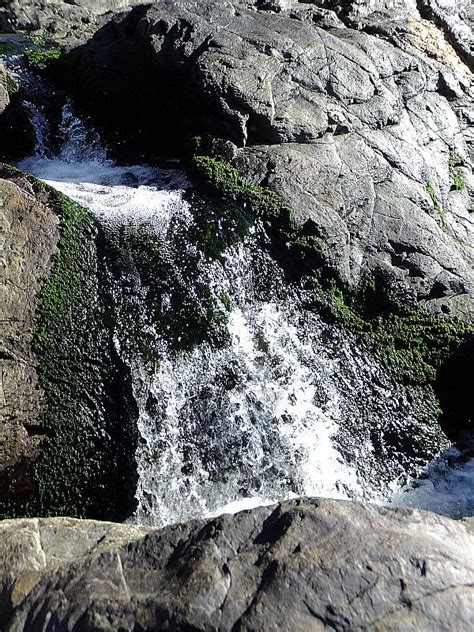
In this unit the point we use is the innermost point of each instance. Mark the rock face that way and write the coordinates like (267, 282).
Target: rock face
(73, 19)
(16, 133)
(62, 444)
(303, 565)
(29, 234)
(360, 119)
(4, 98)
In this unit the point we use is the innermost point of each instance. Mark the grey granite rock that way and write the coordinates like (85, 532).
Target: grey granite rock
(363, 123)
(303, 565)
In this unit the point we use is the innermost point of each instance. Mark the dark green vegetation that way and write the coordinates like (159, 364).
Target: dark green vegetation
(226, 181)
(87, 468)
(40, 59)
(297, 253)
(413, 340)
(39, 52)
(459, 181)
(171, 278)
(457, 176)
(430, 355)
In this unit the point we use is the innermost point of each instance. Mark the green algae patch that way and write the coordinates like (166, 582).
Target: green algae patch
(413, 343)
(171, 299)
(41, 54)
(67, 304)
(42, 58)
(220, 178)
(436, 204)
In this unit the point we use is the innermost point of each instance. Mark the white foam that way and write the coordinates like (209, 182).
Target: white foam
(243, 504)
(101, 187)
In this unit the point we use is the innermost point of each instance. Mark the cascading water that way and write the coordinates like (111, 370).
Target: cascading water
(269, 404)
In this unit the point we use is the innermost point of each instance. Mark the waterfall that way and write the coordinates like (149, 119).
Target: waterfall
(271, 403)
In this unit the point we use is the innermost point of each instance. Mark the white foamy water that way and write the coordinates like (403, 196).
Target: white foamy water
(287, 406)
(113, 193)
(241, 426)
(137, 194)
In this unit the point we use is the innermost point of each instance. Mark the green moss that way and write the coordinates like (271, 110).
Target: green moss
(436, 203)
(459, 180)
(181, 307)
(224, 180)
(413, 342)
(219, 225)
(41, 59)
(309, 250)
(64, 474)
(85, 465)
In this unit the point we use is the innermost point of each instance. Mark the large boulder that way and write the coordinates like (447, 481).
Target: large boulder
(359, 119)
(303, 565)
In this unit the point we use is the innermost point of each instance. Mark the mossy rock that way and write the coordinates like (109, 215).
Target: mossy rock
(221, 179)
(414, 343)
(87, 466)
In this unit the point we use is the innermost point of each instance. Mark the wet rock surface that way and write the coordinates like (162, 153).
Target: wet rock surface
(71, 20)
(303, 565)
(360, 119)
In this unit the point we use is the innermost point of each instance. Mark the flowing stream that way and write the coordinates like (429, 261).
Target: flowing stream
(272, 404)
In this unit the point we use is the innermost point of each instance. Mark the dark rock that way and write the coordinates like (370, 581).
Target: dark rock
(16, 132)
(303, 565)
(455, 391)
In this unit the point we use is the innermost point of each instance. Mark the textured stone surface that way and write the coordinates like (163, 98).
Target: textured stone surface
(28, 237)
(457, 20)
(361, 119)
(4, 98)
(72, 19)
(304, 565)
